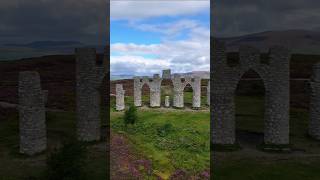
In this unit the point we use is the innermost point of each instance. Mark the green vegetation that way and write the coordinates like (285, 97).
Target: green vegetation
(172, 139)
(304, 163)
(68, 162)
(60, 127)
(130, 115)
(255, 169)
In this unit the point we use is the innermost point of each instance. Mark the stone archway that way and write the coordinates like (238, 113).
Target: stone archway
(274, 71)
(187, 92)
(145, 95)
(155, 90)
(249, 98)
(178, 90)
(166, 92)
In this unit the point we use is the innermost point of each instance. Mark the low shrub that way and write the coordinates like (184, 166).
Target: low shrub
(130, 115)
(67, 162)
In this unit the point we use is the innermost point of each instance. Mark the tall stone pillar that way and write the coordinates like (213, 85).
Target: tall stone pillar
(120, 105)
(314, 124)
(196, 97)
(137, 91)
(89, 77)
(155, 91)
(32, 115)
(223, 121)
(178, 88)
(277, 97)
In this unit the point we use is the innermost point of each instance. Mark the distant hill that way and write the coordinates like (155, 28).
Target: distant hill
(41, 48)
(47, 44)
(118, 77)
(298, 41)
(202, 74)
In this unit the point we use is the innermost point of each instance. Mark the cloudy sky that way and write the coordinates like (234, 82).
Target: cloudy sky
(152, 34)
(24, 21)
(239, 17)
(148, 36)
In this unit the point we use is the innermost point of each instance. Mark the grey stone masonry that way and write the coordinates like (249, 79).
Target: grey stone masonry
(178, 88)
(120, 97)
(314, 124)
(179, 84)
(155, 90)
(32, 115)
(166, 74)
(195, 82)
(274, 72)
(167, 101)
(137, 91)
(89, 77)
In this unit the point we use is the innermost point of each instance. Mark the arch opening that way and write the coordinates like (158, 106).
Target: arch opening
(166, 90)
(250, 109)
(145, 95)
(188, 95)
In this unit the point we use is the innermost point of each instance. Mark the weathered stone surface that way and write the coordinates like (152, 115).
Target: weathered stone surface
(89, 77)
(179, 84)
(166, 74)
(167, 101)
(178, 90)
(178, 87)
(225, 78)
(120, 105)
(314, 124)
(32, 117)
(155, 90)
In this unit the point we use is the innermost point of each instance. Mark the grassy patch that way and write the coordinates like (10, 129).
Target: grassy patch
(225, 147)
(60, 126)
(172, 140)
(243, 165)
(268, 170)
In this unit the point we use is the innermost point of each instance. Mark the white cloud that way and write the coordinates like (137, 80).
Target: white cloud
(191, 54)
(136, 65)
(135, 10)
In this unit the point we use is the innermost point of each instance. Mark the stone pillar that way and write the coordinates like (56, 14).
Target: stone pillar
(155, 91)
(166, 74)
(196, 86)
(32, 115)
(137, 91)
(178, 88)
(120, 105)
(167, 101)
(208, 93)
(89, 77)
(223, 120)
(314, 124)
(277, 102)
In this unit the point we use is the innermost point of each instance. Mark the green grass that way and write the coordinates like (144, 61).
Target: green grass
(60, 126)
(241, 165)
(171, 139)
(253, 169)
